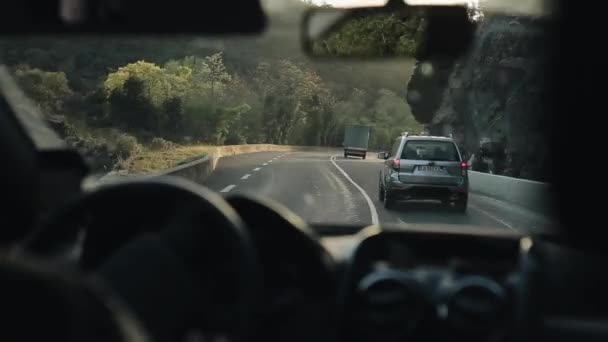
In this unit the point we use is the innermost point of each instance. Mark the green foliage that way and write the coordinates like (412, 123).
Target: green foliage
(253, 92)
(121, 93)
(288, 92)
(159, 144)
(374, 36)
(217, 77)
(390, 118)
(130, 107)
(199, 118)
(174, 118)
(227, 126)
(49, 90)
(126, 145)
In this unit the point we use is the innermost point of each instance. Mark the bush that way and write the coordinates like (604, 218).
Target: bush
(49, 90)
(159, 144)
(126, 146)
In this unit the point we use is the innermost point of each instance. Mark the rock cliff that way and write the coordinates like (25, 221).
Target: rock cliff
(492, 95)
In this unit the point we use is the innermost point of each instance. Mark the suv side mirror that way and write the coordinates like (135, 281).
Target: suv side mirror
(382, 155)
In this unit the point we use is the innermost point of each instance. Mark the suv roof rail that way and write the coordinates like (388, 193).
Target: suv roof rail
(451, 136)
(405, 134)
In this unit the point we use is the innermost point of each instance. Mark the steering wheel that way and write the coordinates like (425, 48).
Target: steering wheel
(300, 280)
(177, 253)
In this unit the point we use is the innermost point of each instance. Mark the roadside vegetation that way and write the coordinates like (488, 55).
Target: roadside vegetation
(144, 104)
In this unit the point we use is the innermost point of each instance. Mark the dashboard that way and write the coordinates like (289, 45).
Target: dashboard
(262, 266)
(412, 285)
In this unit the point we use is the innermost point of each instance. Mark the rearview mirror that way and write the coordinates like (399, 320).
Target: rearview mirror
(149, 17)
(382, 155)
(395, 30)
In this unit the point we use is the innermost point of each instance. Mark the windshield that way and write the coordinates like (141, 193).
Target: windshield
(273, 122)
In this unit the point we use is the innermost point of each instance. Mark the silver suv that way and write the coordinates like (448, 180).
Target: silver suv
(423, 167)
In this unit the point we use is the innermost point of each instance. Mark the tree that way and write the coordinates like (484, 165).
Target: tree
(157, 90)
(49, 90)
(254, 90)
(174, 113)
(391, 116)
(322, 118)
(228, 126)
(147, 73)
(217, 76)
(287, 92)
(130, 107)
(198, 74)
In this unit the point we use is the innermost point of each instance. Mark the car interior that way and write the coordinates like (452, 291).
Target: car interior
(95, 264)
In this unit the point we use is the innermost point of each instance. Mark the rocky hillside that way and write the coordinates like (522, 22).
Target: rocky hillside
(492, 96)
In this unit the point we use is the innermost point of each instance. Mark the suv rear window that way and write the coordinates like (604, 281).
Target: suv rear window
(430, 150)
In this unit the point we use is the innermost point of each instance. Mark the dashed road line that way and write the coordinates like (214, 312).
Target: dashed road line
(228, 188)
(257, 169)
(246, 176)
(270, 161)
(264, 164)
(372, 208)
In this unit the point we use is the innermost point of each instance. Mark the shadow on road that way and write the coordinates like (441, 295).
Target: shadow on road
(368, 158)
(429, 212)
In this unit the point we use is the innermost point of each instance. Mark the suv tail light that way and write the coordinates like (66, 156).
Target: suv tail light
(396, 164)
(464, 168)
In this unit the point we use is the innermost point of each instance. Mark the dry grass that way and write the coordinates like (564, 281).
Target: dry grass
(152, 161)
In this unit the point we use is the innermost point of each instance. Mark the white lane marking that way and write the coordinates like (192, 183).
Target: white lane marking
(257, 169)
(372, 209)
(228, 188)
(493, 217)
(264, 164)
(246, 176)
(339, 184)
(270, 161)
(275, 158)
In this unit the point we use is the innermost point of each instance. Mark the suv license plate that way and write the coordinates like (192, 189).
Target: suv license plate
(426, 168)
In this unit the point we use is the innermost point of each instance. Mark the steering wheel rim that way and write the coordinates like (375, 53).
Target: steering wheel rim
(174, 192)
(285, 236)
(251, 208)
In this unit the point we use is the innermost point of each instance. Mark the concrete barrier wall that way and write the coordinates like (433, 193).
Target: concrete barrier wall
(535, 196)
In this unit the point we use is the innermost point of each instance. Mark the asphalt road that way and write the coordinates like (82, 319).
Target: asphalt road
(327, 188)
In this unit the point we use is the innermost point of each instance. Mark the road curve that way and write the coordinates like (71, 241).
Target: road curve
(327, 188)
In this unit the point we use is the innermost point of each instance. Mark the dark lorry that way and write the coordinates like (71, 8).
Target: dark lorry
(356, 140)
